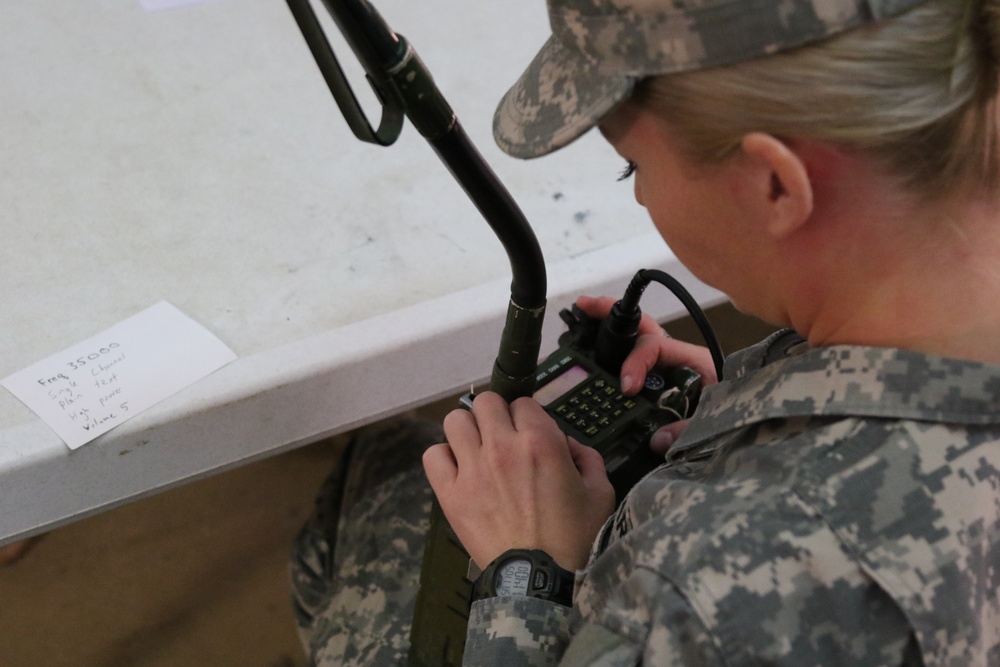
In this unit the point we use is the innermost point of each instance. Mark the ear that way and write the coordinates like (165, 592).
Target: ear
(781, 192)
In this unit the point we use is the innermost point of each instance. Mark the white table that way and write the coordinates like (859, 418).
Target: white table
(195, 155)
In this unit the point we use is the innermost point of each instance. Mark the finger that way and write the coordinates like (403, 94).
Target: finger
(588, 460)
(643, 357)
(647, 325)
(537, 431)
(596, 307)
(440, 467)
(660, 350)
(665, 437)
(526, 413)
(696, 357)
(464, 439)
(492, 415)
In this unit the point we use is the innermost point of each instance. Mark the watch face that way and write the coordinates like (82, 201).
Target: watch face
(512, 577)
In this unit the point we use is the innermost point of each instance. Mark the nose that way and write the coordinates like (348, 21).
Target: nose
(638, 193)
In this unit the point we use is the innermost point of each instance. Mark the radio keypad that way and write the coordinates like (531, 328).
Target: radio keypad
(594, 406)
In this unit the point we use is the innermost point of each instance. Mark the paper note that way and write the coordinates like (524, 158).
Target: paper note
(93, 386)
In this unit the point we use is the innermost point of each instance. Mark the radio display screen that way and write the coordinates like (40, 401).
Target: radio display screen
(560, 384)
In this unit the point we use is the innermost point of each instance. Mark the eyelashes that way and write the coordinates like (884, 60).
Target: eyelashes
(627, 171)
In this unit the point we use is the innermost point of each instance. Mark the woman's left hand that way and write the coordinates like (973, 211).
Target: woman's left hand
(509, 478)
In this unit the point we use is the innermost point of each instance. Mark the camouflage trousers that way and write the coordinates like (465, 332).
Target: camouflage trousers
(356, 563)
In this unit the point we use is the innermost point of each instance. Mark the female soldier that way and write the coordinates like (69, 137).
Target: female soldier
(832, 166)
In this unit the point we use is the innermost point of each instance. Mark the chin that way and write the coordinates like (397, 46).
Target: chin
(773, 316)
(741, 306)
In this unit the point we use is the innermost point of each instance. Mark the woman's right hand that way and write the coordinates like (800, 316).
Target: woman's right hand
(654, 348)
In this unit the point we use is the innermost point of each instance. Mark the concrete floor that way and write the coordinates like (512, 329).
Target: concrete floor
(192, 576)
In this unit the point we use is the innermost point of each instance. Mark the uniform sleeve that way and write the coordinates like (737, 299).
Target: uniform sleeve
(516, 631)
(652, 625)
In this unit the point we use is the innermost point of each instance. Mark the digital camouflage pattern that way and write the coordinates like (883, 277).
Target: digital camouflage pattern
(356, 563)
(833, 506)
(600, 48)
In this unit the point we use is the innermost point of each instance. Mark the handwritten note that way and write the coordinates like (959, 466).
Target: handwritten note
(93, 386)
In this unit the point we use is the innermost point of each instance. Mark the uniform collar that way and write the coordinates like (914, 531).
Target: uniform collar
(783, 378)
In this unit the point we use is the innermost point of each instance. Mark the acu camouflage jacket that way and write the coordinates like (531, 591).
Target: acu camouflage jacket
(830, 506)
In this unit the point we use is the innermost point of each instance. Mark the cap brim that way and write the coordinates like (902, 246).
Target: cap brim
(559, 97)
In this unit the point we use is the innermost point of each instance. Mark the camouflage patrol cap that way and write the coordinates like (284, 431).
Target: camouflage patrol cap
(599, 49)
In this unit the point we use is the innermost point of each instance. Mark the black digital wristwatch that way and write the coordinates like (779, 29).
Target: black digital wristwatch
(529, 572)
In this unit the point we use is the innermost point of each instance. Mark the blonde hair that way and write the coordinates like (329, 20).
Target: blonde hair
(917, 91)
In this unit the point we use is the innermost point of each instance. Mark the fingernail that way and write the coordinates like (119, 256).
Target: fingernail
(627, 382)
(661, 441)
